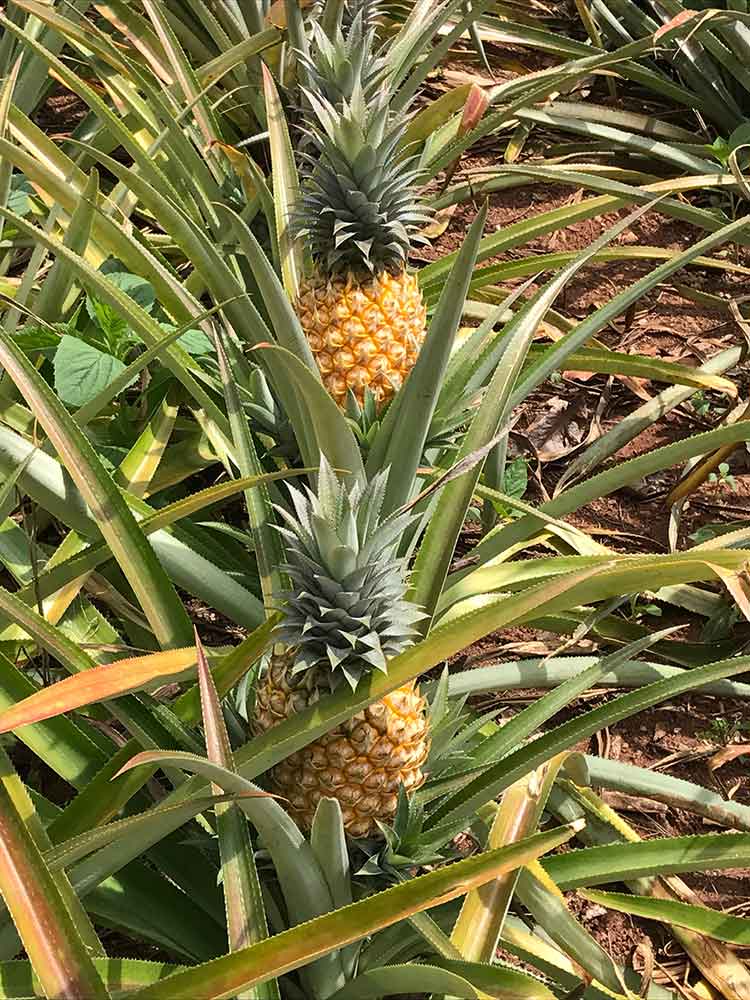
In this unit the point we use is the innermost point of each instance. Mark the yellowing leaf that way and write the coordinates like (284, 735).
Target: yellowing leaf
(100, 684)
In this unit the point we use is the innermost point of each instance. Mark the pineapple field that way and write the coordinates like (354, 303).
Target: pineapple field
(374, 499)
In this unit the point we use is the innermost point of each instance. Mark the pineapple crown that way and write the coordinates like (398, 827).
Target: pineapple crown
(370, 12)
(344, 57)
(359, 210)
(345, 613)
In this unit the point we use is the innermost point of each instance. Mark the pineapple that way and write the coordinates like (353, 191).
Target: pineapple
(361, 310)
(345, 615)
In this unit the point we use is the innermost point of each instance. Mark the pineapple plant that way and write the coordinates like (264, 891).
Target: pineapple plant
(345, 616)
(361, 309)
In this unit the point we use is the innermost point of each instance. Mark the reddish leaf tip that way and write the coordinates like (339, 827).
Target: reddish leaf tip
(681, 18)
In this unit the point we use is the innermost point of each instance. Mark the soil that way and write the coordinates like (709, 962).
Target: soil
(60, 113)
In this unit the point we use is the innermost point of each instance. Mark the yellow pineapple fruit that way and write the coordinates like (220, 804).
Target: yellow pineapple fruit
(363, 334)
(362, 762)
(345, 615)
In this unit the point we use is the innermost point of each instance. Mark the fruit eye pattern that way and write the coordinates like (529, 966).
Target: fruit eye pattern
(361, 763)
(363, 334)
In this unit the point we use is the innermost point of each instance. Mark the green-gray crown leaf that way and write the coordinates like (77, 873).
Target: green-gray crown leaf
(368, 11)
(343, 58)
(345, 613)
(359, 210)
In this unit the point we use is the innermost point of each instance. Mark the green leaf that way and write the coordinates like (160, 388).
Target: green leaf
(518, 729)
(137, 560)
(115, 123)
(661, 856)
(333, 435)
(493, 274)
(195, 342)
(454, 811)
(46, 481)
(103, 797)
(453, 978)
(178, 362)
(130, 901)
(719, 963)
(37, 339)
(223, 977)
(516, 480)
(328, 841)
(120, 974)
(151, 722)
(304, 886)
(269, 551)
(400, 442)
(230, 669)
(668, 571)
(676, 792)
(723, 926)
(19, 199)
(58, 282)
(602, 485)
(550, 911)
(434, 115)
(398, 979)
(638, 420)
(476, 932)
(109, 319)
(436, 550)
(244, 50)
(50, 937)
(139, 466)
(669, 152)
(87, 413)
(82, 371)
(554, 358)
(243, 900)
(285, 187)
(498, 980)
(8, 490)
(522, 232)
(138, 289)
(616, 363)
(145, 828)
(186, 80)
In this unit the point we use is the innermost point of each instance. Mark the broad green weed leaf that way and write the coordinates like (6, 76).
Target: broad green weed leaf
(19, 200)
(516, 478)
(37, 339)
(195, 342)
(82, 371)
(139, 290)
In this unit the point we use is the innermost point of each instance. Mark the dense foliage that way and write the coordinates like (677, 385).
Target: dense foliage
(249, 451)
